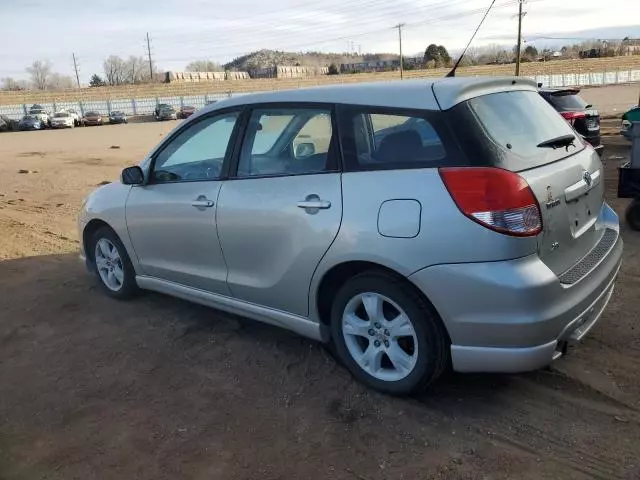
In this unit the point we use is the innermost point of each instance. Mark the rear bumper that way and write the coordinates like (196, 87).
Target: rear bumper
(513, 316)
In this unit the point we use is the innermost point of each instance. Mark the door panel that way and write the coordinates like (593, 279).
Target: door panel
(173, 231)
(172, 220)
(271, 244)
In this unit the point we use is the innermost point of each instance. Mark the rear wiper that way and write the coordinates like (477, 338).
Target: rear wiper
(558, 142)
(588, 106)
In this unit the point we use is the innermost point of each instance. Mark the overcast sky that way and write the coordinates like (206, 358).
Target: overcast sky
(185, 30)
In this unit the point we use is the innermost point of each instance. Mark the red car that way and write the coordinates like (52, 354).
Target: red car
(186, 112)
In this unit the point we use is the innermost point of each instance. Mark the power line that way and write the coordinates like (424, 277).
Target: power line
(412, 25)
(379, 9)
(284, 29)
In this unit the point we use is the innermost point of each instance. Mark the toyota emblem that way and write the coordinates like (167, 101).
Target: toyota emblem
(587, 178)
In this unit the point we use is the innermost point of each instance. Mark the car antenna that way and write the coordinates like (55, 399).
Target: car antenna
(452, 73)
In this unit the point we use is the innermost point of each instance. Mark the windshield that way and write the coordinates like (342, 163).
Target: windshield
(518, 122)
(61, 115)
(29, 117)
(117, 113)
(93, 114)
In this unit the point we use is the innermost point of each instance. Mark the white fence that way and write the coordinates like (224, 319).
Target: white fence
(133, 106)
(146, 106)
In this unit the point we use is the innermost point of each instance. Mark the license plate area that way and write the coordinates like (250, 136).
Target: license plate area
(582, 214)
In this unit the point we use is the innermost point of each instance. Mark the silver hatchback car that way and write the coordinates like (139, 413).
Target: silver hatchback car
(414, 225)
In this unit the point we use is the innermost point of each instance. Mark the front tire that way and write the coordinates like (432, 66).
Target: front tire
(387, 335)
(112, 265)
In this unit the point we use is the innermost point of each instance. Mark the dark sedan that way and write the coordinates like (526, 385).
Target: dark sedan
(117, 117)
(92, 118)
(579, 114)
(31, 122)
(186, 111)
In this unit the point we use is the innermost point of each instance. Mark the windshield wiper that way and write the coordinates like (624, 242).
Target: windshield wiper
(558, 142)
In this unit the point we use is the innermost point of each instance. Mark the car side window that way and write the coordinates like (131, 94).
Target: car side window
(390, 140)
(196, 153)
(287, 141)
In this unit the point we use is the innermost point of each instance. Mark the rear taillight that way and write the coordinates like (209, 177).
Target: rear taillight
(571, 117)
(497, 199)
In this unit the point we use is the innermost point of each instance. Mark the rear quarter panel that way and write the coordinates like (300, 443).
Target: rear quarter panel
(444, 235)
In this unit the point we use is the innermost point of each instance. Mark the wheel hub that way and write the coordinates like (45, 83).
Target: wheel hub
(379, 336)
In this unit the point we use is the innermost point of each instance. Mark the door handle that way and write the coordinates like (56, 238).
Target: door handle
(323, 204)
(202, 202)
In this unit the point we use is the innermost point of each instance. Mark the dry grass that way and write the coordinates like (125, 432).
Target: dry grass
(185, 89)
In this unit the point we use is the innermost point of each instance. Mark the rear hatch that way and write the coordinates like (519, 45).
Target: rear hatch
(577, 112)
(526, 135)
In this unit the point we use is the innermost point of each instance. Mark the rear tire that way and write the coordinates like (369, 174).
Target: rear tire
(387, 335)
(632, 214)
(112, 265)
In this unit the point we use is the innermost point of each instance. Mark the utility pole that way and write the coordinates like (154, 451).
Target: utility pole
(75, 67)
(399, 27)
(150, 62)
(518, 48)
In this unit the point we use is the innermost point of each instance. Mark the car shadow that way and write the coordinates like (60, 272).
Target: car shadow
(59, 285)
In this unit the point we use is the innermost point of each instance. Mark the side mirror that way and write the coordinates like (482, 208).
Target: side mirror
(132, 176)
(305, 150)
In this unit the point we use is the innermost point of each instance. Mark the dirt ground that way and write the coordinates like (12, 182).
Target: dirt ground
(160, 389)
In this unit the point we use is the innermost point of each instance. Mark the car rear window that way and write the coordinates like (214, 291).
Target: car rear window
(567, 101)
(518, 122)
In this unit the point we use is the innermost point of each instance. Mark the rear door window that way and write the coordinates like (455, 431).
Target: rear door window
(390, 139)
(518, 122)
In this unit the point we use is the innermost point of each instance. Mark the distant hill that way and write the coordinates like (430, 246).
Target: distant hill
(269, 58)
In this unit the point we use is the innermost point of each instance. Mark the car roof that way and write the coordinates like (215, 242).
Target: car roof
(425, 94)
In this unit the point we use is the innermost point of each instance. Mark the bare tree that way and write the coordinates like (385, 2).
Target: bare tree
(114, 70)
(204, 66)
(12, 84)
(40, 72)
(60, 82)
(136, 69)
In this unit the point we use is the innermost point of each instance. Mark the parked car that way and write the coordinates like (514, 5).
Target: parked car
(628, 117)
(41, 113)
(161, 106)
(7, 124)
(117, 117)
(578, 113)
(77, 118)
(475, 235)
(92, 118)
(167, 113)
(31, 122)
(62, 120)
(186, 112)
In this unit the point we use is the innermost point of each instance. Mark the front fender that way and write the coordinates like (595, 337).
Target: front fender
(107, 204)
